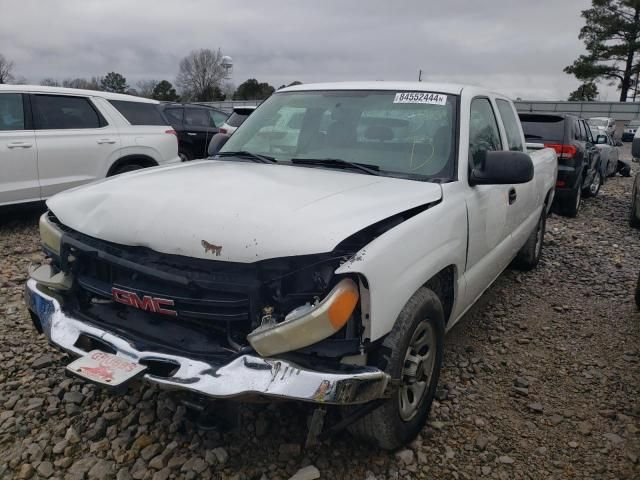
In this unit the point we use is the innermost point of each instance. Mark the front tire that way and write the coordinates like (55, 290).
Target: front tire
(529, 255)
(412, 353)
(594, 187)
(634, 218)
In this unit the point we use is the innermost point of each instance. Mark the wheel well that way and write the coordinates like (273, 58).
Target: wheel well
(141, 160)
(546, 199)
(443, 285)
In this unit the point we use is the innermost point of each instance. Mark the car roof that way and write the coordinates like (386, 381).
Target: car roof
(74, 91)
(447, 88)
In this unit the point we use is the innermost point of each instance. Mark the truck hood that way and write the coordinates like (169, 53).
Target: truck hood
(236, 211)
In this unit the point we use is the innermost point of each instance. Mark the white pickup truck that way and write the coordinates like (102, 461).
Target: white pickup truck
(319, 257)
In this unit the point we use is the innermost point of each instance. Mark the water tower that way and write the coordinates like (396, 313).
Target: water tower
(227, 64)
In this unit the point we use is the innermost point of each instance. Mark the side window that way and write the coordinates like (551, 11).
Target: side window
(511, 125)
(216, 118)
(196, 117)
(139, 113)
(11, 111)
(587, 131)
(174, 115)
(580, 132)
(59, 112)
(483, 129)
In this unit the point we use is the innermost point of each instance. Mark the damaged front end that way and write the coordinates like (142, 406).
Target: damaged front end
(286, 327)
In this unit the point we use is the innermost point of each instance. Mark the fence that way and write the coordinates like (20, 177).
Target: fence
(620, 111)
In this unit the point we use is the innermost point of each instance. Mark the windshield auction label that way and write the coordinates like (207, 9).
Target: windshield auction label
(420, 97)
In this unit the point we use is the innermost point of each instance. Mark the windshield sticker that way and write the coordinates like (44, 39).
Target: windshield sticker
(420, 97)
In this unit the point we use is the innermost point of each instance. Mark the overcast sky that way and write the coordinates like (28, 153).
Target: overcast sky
(518, 47)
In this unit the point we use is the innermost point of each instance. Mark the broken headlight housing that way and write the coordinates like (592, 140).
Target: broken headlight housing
(307, 324)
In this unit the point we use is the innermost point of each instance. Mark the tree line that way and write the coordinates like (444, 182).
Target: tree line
(201, 78)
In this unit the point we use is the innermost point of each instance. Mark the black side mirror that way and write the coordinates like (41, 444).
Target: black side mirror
(635, 147)
(216, 143)
(501, 168)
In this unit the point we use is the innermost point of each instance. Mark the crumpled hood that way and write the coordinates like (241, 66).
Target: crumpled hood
(236, 211)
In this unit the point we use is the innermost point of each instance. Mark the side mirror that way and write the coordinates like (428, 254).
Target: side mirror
(501, 168)
(601, 139)
(635, 147)
(216, 143)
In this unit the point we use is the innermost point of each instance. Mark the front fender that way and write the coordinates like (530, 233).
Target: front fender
(399, 262)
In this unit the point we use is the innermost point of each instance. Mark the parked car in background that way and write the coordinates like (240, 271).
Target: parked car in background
(237, 117)
(634, 218)
(195, 125)
(611, 159)
(52, 139)
(328, 274)
(607, 124)
(579, 169)
(630, 130)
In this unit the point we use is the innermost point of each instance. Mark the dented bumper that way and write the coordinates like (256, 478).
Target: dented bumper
(244, 375)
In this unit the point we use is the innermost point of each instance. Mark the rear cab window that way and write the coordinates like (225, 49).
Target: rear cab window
(511, 125)
(139, 113)
(61, 112)
(11, 112)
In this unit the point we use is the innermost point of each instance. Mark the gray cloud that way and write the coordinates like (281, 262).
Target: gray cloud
(518, 47)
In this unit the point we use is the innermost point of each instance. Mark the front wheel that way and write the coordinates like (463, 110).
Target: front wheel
(411, 354)
(594, 187)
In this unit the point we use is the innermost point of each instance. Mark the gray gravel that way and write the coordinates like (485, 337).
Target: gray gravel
(541, 380)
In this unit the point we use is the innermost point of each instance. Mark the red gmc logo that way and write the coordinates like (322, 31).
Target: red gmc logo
(147, 303)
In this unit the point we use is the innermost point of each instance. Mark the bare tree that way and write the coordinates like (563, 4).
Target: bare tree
(6, 68)
(83, 83)
(200, 75)
(49, 82)
(146, 87)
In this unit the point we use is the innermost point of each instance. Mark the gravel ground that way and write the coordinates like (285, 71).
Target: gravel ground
(541, 380)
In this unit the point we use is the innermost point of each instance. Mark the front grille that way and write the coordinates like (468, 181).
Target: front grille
(215, 302)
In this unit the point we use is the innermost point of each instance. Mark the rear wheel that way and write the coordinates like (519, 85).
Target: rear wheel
(529, 255)
(625, 170)
(412, 354)
(130, 167)
(185, 156)
(570, 206)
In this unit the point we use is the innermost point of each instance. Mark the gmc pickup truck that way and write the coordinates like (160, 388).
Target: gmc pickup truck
(320, 255)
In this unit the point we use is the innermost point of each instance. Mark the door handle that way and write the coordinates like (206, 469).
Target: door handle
(106, 140)
(19, 145)
(512, 196)
(192, 134)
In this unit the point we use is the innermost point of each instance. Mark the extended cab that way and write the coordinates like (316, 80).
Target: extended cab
(320, 261)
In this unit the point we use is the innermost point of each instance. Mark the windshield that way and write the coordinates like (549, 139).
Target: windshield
(597, 122)
(404, 134)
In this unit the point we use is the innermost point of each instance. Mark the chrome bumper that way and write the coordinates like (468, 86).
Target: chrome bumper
(244, 376)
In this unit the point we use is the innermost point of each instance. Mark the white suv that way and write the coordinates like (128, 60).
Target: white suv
(52, 139)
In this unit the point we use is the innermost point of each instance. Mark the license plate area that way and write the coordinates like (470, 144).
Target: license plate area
(105, 368)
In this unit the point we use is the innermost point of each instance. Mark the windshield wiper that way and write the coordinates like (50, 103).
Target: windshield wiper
(336, 162)
(251, 156)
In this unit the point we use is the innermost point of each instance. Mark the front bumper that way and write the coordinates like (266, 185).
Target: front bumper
(245, 375)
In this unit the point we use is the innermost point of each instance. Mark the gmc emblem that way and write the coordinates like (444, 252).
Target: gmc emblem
(147, 303)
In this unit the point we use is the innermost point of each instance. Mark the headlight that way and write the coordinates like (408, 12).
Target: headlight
(50, 234)
(309, 324)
